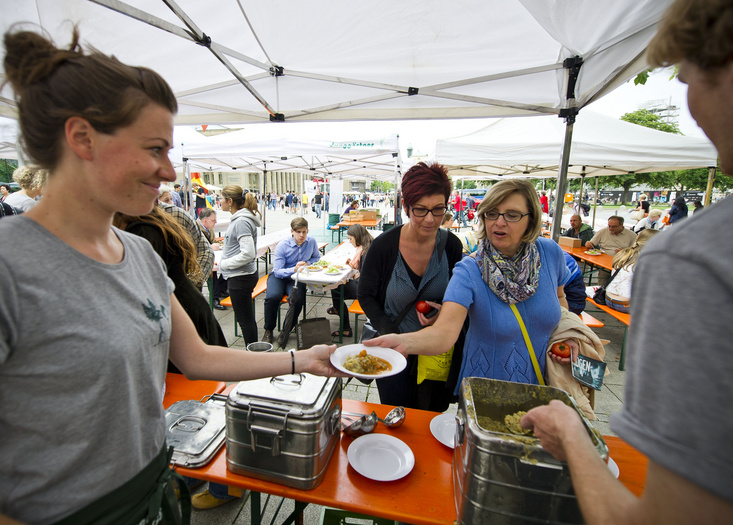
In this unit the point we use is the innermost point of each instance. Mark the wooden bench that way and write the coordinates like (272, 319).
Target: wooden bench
(620, 316)
(356, 309)
(322, 247)
(259, 288)
(590, 321)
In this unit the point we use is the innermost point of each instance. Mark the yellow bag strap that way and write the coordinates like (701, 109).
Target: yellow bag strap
(532, 355)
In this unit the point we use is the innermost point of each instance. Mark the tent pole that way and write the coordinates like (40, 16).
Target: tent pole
(709, 188)
(189, 190)
(264, 215)
(580, 195)
(595, 205)
(397, 190)
(562, 178)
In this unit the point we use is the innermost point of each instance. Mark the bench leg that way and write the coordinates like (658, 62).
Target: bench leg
(356, 328)
(622, 361)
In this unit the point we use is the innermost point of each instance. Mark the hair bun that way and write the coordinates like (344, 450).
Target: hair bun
(30, 57)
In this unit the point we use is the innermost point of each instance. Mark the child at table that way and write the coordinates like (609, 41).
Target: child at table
(360, 238)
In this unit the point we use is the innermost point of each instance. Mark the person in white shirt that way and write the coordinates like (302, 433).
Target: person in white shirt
(652, 222)
(618, 291)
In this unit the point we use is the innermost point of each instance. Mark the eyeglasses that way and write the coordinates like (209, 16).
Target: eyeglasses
(509, 216)
(422, 212)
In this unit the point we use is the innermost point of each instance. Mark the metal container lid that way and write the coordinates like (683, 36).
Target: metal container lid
(303, 393)
(195, 430)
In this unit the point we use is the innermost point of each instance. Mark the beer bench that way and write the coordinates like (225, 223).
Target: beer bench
(620, 316)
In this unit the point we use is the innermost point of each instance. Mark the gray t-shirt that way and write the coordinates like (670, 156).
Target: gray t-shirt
(83, 354)
(679, 383)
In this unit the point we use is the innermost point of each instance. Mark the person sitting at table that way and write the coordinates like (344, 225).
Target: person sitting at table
(579, 230)
(448, 221)
(407, 264)
(651, 222)
(643, 205)
(31, 181)
(515, 274)
(361, 239)
(353, 206)
(88, 315)
(290, 255)
(677, 410)
(575, 287)
(610, 241)
(618, 290)
(239, 256)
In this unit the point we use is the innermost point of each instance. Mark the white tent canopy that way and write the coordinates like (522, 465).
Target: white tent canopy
(277, 149)
(244, 61)
(531, 147)
(8, 139)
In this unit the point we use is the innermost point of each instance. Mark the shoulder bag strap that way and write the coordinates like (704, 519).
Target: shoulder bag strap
(530, 349)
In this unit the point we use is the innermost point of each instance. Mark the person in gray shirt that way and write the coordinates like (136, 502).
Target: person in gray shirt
(678, 385)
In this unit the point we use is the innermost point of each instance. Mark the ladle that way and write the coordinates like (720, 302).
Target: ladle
(394, 417)
(361, 426)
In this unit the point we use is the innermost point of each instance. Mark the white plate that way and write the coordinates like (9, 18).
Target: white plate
(394, 358)
(314, 268)
(443, 427)
(613, 467)
(380, 457)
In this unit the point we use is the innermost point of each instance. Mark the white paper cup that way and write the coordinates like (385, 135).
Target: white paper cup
(260, 347)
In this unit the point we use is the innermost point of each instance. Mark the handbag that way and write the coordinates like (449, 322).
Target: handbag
(637, 215)
(600, 296)
(310, 332)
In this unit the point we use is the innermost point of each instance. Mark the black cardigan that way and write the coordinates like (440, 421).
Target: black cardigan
(377, 270)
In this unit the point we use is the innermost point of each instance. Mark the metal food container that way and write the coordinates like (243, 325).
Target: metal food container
(507, 479)
(195, 430)
(283, 429)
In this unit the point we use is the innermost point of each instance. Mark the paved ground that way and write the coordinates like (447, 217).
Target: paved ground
(608, 401)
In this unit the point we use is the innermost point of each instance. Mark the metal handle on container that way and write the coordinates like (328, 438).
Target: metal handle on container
(275, 434)
(188, 424)
(460, 426)
(287, 381)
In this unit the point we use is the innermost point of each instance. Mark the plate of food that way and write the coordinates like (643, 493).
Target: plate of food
(593, 251)
(368, 363)
(381, 457)
(321, 263)
(443, 428)
(333, 270)
(314, 268)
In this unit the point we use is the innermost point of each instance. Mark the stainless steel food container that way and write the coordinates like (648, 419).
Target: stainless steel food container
(504, 479)
(283, 429)
(195, 430)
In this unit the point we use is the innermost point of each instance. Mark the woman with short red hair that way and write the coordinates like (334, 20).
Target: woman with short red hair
(407, 264)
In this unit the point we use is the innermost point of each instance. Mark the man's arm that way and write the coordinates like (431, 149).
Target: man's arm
(668, 498)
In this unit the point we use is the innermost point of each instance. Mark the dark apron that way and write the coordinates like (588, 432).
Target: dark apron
(149, 497)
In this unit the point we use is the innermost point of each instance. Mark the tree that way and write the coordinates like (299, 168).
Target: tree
(381, 186)
(644, 117)
(464, 184)
(7, 167)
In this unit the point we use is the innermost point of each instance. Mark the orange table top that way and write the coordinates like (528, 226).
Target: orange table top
(178, 388)
(366, 224)
(425, 496)
(603, 261)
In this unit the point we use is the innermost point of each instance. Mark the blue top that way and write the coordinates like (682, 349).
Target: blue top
(288, 254)
(495, 347)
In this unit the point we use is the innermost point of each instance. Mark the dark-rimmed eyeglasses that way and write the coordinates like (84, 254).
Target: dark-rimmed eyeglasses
(422, 212)
(509, 216)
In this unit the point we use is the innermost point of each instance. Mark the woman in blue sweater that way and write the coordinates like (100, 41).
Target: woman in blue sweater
(513, 266)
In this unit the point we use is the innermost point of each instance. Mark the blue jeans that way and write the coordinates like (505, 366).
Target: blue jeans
(318, 210)
(276, 288)
(617, 306)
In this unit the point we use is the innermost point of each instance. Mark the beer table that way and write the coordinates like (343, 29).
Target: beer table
(424, 496)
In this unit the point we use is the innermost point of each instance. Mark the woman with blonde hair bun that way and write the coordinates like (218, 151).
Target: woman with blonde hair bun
(88, 317)
(31, 180)
(618, 290)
